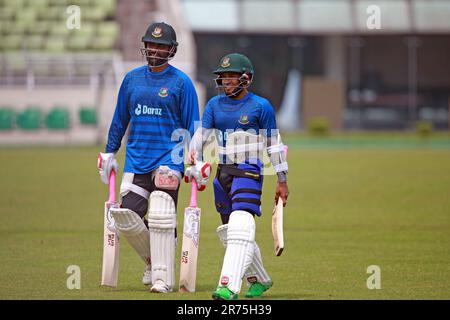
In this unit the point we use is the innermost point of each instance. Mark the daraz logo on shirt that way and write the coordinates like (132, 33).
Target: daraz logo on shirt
(143, 109)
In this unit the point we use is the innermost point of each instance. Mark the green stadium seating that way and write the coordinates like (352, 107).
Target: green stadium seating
(108, 5)
(6, 118)
(17, 4)
(11, 43)
(29, 119)
(15, 62)
(88, 115)
(7, 13)
(41, 25)
(35, 42)
(109, 29)
(94, 14)
(55, 44)
(58, 119)
(79, 42)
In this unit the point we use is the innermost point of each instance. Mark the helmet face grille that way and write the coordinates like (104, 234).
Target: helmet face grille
(157, 57)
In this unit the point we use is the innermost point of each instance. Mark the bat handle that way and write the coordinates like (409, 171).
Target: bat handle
(112, 186)
(193, 202)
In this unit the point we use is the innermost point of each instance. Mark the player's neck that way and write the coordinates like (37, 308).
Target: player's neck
(158, 68)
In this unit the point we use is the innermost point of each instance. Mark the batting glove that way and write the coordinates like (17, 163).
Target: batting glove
(105, 163)
(201, 172)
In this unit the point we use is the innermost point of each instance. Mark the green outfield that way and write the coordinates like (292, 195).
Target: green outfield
(355, 201)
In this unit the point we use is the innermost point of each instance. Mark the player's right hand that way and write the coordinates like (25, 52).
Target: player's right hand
(105, 163)
(201, 172)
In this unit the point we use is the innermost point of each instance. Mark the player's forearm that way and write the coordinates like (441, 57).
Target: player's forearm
(277, 156)
(198, 141)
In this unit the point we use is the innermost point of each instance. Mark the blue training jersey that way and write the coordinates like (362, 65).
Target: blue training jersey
(252, 112)
(155, 104)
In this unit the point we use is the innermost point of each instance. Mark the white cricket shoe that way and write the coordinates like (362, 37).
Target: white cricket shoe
(160, 287)
(147, 278)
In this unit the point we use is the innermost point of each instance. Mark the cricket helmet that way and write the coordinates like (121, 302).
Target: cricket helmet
(235, 63)
(161, 33)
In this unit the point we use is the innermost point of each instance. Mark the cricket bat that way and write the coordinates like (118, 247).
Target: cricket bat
(277, 223)
(277, 227)
(189, 251)
(110, 268)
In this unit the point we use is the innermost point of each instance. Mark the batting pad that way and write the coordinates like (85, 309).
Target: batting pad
(162, 223)
(255, 271)
(132, 228)
(239, 251)
(222, 233)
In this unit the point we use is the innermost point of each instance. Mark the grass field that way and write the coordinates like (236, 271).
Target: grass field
(355, 201)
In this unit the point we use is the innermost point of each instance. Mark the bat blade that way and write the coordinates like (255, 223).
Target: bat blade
(110, 267)
(277, 228)
(189, 251)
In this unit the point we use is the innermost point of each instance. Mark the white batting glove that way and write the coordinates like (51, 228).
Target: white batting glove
(201, 172)
(105, 163)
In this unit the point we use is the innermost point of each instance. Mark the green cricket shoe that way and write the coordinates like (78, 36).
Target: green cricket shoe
(223, 293)
(257, 289)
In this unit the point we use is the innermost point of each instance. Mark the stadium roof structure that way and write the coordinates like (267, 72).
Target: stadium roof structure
(318, 16)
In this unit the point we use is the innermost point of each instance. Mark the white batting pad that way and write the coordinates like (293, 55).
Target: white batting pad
(132, 228)
(222, 233)
(256, 271)
(162, 223)
(239, 251)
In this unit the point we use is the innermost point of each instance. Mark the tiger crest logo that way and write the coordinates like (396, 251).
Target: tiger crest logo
(225, 62)
(157, 33)
(163, 92)
(243, 119)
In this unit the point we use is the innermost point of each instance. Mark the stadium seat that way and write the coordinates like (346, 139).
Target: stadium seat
(11, 43)
(79, 42)
(58, 119)
(88, 115)
(94, 14)
(55, 44)
(29, 119)
(6, 118)
(34, 43)
(108, 5)
(15, 63)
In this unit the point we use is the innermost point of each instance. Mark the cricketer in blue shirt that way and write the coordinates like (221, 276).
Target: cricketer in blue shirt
(155, 104)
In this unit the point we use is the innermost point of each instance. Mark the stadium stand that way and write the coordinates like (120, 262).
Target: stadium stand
(71, 75)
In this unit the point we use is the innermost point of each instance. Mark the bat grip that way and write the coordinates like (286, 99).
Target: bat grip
(193, 202)
(112, 186)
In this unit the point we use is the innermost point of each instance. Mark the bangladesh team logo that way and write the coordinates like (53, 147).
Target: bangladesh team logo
(243, 119)
(225, 62)
(163, 92)
(157, 33)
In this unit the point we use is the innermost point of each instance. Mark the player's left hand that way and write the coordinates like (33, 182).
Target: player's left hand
(201, 172)
(282, 192)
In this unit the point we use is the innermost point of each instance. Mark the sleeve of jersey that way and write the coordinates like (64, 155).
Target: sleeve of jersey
(120, 119)
(189, 107)
(208, 117)
(275, 146)
(268, 121)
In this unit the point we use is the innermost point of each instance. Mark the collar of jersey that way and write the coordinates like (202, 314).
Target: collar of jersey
(158, 73)
(231, 101)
